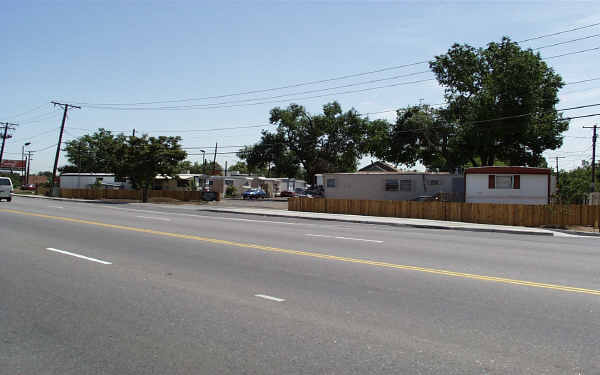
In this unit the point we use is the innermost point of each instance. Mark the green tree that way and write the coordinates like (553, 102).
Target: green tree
(574, 185)
(240, 167)
(143, 158)
(199, 168)
(501, 103)
(94, 153)
(329, 142)
(420, 134)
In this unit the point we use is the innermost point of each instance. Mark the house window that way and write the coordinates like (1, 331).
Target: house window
(391, 185)
(331, 182)
(405, 185)
(434, 182)
(504, 182)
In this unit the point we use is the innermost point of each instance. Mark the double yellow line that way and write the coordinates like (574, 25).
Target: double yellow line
(313, 254)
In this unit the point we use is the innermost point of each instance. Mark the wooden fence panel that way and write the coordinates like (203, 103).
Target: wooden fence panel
(486, 213)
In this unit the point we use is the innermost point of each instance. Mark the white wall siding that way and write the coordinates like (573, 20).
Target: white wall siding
(83, 181)
(372, 186)
(533, 190)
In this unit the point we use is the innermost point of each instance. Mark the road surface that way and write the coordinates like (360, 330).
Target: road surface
(152, 289)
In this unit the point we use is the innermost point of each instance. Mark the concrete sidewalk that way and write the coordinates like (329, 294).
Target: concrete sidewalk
(393, 221)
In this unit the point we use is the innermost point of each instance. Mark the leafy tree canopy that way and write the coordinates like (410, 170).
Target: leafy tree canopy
(574, 185)
(94, 153)
(143, 158)
(329, 142)
(501, 103)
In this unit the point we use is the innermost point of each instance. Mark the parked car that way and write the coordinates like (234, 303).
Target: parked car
(254, 194)
(288, 194)
(6, 187)
(427, 198)
(300, 192)
(28, 187)
(317, 192)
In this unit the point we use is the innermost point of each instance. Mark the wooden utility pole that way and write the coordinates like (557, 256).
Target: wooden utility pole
(28, 166)
(7, 126)
(593, 156)
(215, 161)
(558, 174)
(60, 136)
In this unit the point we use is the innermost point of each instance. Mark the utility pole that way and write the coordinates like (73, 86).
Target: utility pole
(23, 158)
(134, 132)
(557, 174)
(7, 126)
(28, 166)
(593, 156)
(60, 136)
(215, 161)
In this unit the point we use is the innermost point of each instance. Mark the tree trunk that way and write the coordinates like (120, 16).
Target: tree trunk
(145, 194)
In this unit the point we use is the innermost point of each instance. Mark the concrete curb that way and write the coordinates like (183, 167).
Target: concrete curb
(337, 219)
(409, 225)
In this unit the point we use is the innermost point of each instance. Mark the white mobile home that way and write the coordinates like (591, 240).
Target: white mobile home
(390, 185)
(86, 180)
(510, 185)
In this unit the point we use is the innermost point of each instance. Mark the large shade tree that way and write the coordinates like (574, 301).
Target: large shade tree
(94, 153)
(329, 142)
(143, 158)
(501, 103)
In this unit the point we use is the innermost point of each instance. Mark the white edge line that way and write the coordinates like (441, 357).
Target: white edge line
(154, 218)
(270, 298)
(343, 238)
(77, 255)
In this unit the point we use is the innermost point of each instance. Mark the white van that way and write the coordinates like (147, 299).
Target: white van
(6, 187)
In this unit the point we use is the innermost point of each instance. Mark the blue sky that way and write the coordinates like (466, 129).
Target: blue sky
(139, 51)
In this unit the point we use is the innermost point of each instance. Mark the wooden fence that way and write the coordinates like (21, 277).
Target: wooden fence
(484, 213)
(130, 194)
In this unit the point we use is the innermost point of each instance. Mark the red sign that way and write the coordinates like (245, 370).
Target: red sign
(14, 164)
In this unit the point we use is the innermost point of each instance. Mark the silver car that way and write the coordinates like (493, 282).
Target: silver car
(6, 187)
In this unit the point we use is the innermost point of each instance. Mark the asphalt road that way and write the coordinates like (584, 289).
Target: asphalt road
(177, 290)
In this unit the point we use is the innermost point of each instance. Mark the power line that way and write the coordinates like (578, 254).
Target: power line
(572, 53)
(37, 135)
(28, 111)
(559, 32)
(567, 42)
(208, 105)
(360, 114)
(583, 81)
(191, 107)
(89, 104)
(262, 90)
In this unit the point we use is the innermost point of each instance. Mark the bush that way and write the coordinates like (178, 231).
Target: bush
(230, 191)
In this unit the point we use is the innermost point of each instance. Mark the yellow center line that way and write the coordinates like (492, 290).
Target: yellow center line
(313, 254)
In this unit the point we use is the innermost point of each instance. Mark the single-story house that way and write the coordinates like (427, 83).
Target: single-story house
(510, 185)
(390, 185)
(240, 183)
(378, 166)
